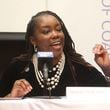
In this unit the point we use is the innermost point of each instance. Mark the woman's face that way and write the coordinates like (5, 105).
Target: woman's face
(49, 35)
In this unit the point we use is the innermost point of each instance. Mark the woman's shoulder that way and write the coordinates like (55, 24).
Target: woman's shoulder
(86, 68)
(83, 66)
(89, 75)
(21, 60)
(16, 65)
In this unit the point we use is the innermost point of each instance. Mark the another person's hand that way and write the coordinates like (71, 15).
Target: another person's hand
(102, 58)
(20, 88)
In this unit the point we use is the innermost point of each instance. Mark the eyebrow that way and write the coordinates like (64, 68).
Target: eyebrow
(47, 26)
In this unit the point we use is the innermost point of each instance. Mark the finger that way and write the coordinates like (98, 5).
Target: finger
(25, 85)
(98, 49)
(17, 90)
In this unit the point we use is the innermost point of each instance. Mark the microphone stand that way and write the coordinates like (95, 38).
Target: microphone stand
(45, 73)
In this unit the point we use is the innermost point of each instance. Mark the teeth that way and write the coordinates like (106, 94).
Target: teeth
(55, 43)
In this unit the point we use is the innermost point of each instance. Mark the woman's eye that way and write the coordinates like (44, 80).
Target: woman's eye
(46, 31)
(59, 29)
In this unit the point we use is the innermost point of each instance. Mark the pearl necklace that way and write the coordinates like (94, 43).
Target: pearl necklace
(52, 82)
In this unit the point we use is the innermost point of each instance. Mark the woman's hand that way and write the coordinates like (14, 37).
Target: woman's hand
(102, 58)
(20, 88)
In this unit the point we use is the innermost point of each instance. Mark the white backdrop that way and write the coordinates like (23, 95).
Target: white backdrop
(88, 21)
(15, 14)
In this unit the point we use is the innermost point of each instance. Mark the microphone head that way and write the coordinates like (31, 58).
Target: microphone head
(45, 54)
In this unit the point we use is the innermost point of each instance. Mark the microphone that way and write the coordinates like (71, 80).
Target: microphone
(44, 64)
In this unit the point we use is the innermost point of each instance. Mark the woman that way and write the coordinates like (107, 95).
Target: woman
(47, 32)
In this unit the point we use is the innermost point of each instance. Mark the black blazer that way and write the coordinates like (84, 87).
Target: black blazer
(25, 70)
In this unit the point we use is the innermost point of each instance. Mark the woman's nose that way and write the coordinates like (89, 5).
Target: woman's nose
(54, 34)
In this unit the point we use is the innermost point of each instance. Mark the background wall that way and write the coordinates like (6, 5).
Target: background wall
(16, 13)
(8, 50)
(88, 21)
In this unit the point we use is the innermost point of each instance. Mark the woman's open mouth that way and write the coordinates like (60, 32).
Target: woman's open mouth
(57, 44)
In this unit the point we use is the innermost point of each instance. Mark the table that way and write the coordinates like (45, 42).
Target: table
(53, 104)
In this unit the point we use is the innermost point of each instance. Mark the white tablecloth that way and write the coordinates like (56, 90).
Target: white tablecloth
(53, 104)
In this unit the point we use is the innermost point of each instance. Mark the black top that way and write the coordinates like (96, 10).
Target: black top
(17, 70)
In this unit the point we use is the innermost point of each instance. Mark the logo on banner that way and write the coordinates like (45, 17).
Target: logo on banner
(106, 24)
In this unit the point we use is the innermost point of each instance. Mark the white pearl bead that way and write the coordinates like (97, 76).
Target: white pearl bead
(52, 82)
(57, 72)
(58, 69)
(52, 78)
(55, 80)
(54, 69)
(55, 75)
(48, 79)
(53, 86)
(58, 76)
(56, 84)
(42, 80)
(57, 66)
(42, 86)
